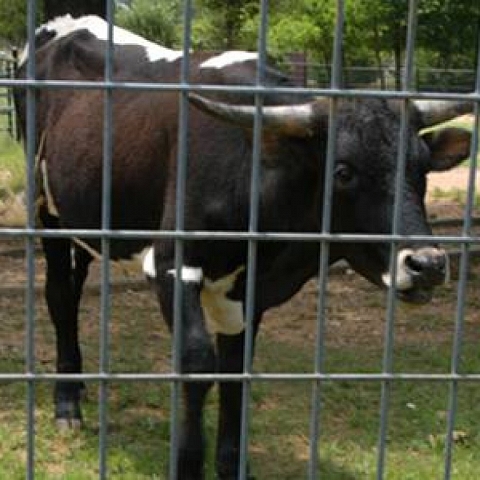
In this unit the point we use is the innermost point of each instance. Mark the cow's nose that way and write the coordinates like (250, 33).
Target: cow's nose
(427, 266)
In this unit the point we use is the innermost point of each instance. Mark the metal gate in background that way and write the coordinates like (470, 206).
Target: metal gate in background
(387, 377)
(8, 62)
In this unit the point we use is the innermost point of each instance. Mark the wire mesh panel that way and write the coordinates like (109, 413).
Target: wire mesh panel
(305, 192)
(7, 69)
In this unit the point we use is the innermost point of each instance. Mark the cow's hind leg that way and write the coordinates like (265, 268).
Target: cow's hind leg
(230, 351)
(82, 260)
(63, 291)
(197, 357)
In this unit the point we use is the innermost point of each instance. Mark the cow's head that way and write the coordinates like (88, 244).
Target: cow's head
(367, 152)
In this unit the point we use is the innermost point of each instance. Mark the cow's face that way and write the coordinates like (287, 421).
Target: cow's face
(367, 152)
(364, 180)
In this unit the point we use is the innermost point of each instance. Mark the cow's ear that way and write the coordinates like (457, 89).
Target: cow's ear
(448, 147)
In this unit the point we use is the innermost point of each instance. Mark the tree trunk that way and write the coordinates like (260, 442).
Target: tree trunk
(77, 8)
(378, 56)
(398, 43)
(397, 53)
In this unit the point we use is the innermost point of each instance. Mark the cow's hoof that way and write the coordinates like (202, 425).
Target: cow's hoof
(68, 424)
(68, 415)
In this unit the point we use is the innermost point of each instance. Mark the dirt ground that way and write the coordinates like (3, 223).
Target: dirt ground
(456, 179)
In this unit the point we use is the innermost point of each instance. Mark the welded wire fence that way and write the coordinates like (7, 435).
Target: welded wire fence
(383, 77)
(387, 377)
(8, 63)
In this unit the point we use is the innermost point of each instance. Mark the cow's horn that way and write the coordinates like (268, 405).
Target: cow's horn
(438, 111)
(294, 120)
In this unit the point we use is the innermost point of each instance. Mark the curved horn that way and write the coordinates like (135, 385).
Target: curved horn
(438, 111)
(295, 120)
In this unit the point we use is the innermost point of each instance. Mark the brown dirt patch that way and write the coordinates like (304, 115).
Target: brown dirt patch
(450, 181)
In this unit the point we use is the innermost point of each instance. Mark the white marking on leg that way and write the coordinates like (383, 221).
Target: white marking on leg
(222, 315)
(147, 258)
(403, 278)
(188, 274)
(229, 58)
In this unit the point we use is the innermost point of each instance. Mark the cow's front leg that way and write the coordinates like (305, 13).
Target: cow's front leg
(63, 291)
(230, 353)
(197, 356)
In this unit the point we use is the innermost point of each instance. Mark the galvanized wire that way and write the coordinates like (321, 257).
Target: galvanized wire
(465, 248)
(238, 377)
(325, 245)
(181, 179)
(30, 247)
(197, 235)
(105, 304)
(252, 243)
(252, 89)
(389, 337)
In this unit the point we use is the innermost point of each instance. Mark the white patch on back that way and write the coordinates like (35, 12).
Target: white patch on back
(404, 279)
(98, 27)
(222, 315)
(229, 58)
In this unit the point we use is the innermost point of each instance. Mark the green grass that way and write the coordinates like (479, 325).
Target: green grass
(12, 164)
(350, 419)
(455, 195)
(11, 161)
(138, 413)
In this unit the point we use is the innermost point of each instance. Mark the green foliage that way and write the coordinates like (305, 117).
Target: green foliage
(221, 25)
(12, 164)
(12, 167)
(448, 29)
(157, 20)
(280, 412)
(375, 31)
(309, 29)
(13, 14)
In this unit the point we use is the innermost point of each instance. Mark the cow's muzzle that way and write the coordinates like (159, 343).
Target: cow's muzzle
(418, 272)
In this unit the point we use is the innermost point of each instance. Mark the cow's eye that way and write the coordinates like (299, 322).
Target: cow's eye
(344, 175)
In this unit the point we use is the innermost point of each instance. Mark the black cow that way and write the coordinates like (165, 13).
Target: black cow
(294, 139)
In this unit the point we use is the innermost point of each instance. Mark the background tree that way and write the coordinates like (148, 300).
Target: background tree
(13, 15)
(374, 35)
(157, 20)
(13, 25)
(377, 28)
(219, 24)
(304, 27)
(448, 39)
